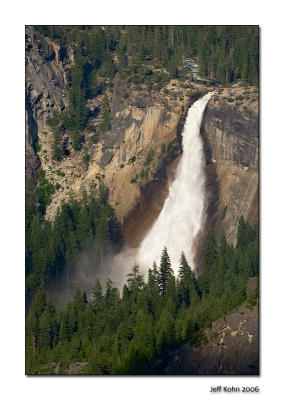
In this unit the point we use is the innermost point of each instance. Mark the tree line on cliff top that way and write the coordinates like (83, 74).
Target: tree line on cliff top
(225, 52)
(144, 54)
(113, 332)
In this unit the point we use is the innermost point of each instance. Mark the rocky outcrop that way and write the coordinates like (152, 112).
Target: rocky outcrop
(47, 69)
(138, 156)
(132, 157)
(230, 134)
(129, 156)
(32, 161)
(229, 347)
(142, 141)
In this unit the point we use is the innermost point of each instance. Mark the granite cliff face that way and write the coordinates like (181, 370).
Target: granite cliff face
(230, 134)
(138, 157)
(47, 67)
(144, 139)
(144, 131)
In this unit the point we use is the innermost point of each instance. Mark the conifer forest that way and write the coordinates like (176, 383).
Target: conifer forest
(141, 139)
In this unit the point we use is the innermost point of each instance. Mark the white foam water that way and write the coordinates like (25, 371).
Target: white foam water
(183, 214)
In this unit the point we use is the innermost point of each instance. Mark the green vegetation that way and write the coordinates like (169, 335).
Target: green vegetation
(134, 180)
(60, 173)
(37, 147)
(86, 159)
(230, 100)
(57, 149)
(112, 332)
(149, 158)
(105, 124)
(121, 333)
(131, 160)
(95, 138)
(91, 74)
(44, 190)
(77, 225)
(169, 148)
(143, 174)
(224, 212)
(144, 55)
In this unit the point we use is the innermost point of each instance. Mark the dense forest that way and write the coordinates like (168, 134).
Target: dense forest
(225, 53)
(150, 55)
(113, 333)
(77, 225)
(139, 54)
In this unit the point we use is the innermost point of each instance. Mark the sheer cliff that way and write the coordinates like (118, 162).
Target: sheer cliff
(230, 133)
(138, 156)
(47, 66)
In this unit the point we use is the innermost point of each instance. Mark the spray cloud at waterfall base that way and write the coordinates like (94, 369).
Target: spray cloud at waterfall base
(183, 213)
(177, 226)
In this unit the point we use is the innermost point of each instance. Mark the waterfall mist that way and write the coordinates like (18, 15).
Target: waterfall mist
(177, 226)
(183, 213)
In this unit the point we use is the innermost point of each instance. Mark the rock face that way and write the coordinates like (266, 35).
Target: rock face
(133, 160)
(143, 141)
(229, 347)
(138, 157)
(47, 68)
(230, 133)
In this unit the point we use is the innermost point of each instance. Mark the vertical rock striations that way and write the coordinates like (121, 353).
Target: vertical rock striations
(230, 133)
(137, 157)
(47, 68)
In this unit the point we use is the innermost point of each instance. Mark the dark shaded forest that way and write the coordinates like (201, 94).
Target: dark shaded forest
(150, 55)
(113, 333)
(225, 53)
(77, 226)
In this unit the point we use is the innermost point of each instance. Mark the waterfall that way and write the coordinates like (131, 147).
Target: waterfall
(183, 213)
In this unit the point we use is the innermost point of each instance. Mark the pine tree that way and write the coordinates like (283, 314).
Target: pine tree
(94, 87)
(165, 271)
(105, 123)
(83, 228)
(242, 234)
(97, 297)
(79, 301)
(125, 293)
(67, 323)
(96, 46)
(45, 332)
(153, 277)
(187, 286)
(135, 278)
(155, 273)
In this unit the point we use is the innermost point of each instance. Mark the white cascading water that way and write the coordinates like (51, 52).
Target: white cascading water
(183, 213)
